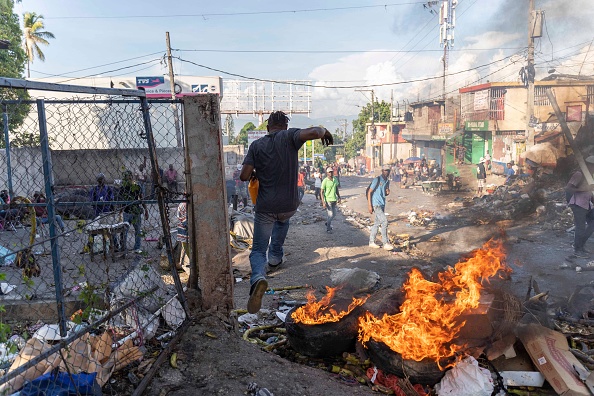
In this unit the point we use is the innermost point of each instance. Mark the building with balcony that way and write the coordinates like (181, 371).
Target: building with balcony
(494, 118)
(429, 125)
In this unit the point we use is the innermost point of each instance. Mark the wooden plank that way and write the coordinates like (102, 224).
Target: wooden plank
(578, 154)
(43, 86)
(208, 222)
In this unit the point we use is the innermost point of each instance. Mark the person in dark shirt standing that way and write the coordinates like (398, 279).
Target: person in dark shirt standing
(133, 210)
(580, 200)
(102, 193)
(274, 160)
(481, 177)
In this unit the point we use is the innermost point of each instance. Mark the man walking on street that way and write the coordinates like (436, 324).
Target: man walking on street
(301, 184)
(274, 160)
(317, 184)
(481, 177)
(330, 196)
(580, 198)
(377, 192)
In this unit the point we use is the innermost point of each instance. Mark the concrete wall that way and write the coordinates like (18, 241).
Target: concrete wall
(27, 171)
(80, 167)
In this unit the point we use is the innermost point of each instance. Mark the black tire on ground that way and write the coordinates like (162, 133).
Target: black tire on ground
(328, 339)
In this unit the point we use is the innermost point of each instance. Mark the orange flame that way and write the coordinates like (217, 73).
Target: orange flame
(318, 312)
(428, 318)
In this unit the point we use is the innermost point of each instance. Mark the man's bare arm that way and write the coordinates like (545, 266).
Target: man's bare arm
(316, 133)
(246, 172)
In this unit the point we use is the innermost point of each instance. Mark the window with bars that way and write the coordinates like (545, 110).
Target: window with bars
(540, 96)
(497, 104)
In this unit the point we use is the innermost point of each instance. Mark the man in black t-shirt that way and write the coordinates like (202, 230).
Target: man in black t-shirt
(133, 210)
(274, 160)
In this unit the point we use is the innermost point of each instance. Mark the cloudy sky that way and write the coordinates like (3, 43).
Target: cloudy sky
(391, 47)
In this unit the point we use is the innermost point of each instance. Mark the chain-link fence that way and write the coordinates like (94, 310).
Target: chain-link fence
(90, 277)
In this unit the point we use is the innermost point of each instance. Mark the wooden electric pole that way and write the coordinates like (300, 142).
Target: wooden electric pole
(178, 136)
(530, 74)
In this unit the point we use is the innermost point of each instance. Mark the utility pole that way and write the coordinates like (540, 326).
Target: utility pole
(178, 136)
(391, 132)
(530, 76)
(447, 21)
(343, 122)
(372, 138)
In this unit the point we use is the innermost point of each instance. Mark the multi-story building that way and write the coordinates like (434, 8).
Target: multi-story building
(494, 118)
(429, 125)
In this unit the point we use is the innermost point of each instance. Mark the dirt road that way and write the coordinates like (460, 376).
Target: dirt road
(225, 365)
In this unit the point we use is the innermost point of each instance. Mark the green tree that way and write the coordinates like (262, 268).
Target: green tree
(12, 65)
(356, 142)
(242, 137)
(33, 35)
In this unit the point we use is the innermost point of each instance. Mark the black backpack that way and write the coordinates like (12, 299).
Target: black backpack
(369, 187)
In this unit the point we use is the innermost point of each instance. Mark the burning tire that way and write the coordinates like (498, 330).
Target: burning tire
(328, 339)
(425, 372)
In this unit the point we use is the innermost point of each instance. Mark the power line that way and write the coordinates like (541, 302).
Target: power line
(219, 14)
(95, 67)
(337, 51)
(337, 86)
(110, 71)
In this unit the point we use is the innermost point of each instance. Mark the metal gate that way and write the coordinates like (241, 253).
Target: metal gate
(89, 279)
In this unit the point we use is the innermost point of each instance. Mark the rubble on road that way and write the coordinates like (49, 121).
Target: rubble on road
(544, 199)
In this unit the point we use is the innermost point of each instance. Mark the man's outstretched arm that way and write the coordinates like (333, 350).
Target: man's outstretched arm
(316, 133)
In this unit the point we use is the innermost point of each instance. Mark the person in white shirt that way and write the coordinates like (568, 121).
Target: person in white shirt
(318, 184)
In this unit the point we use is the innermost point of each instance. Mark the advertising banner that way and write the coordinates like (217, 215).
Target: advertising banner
(255, 135)
(476, 125)
(155, 87)
(481, 100)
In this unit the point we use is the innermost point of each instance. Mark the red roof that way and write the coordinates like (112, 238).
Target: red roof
(475, 88)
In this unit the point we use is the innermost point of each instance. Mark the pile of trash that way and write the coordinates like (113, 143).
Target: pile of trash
(535, 348)
(422, 218)
(545, 200)
(144, 314)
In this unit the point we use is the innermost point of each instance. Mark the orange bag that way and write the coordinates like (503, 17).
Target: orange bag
(253, 189)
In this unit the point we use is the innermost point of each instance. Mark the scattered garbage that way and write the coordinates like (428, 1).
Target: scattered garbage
(6, 288)
(466, 379)
(6, 256)
(49, 332)
(354, 280)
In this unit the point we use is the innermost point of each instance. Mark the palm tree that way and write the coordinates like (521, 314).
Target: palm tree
(33, 35)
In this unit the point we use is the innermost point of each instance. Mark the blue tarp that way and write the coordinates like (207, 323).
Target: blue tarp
(62, 384)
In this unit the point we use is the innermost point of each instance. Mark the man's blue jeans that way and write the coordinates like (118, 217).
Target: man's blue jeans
(45, 220)
(330, 214)
(135, 220)
(584, 226)
(270, 231)
(380, 222)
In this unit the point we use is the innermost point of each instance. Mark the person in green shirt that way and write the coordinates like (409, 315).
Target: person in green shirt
(330, 197)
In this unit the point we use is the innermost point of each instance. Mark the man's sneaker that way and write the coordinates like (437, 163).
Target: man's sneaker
(274, 267)
(581, 254)
(374, 245)
(329, 231)
(256, 293)
(388, 246)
